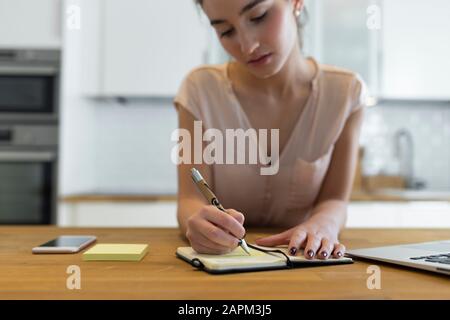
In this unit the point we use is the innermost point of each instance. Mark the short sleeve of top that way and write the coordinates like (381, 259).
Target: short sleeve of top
(359, 95)
(188, 95)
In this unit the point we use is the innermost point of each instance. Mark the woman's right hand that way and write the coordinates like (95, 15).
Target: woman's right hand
(212, 231)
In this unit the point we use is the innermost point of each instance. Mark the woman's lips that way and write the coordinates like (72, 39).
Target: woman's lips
(261, 60)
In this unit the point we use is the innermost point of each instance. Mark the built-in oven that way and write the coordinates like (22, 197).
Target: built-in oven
(28, 174)
(29, 85)
(29, 95)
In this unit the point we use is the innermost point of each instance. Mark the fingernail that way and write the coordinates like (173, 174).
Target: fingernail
(324, 254)
(310, 253)
(293, 251)
(339, 254)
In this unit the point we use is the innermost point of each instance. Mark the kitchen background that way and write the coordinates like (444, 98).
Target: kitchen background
(120, 63)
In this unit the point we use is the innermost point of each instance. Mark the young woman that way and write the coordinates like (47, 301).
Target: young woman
(318, 110)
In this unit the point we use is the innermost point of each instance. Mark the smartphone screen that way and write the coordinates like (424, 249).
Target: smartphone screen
(66, 241)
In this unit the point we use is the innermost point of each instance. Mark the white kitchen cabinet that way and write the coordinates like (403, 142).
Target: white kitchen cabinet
(416, 50)
(161, 214)
(405, 58)
(337, 33)
(30, 24)
(142, 47)
(413, 214)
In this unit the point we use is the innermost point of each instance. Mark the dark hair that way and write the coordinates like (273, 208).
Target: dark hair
(302, 19)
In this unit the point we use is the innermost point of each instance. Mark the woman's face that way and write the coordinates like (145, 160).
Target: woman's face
(259, 34)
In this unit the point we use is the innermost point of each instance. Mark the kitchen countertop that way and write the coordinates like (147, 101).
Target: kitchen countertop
(401, 195)
(103, 197)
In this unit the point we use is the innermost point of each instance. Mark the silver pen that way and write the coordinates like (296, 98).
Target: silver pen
(211, 198)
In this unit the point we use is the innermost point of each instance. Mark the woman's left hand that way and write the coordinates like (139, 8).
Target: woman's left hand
(317, 236)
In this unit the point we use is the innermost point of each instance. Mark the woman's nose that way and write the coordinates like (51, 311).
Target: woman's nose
(248, 44)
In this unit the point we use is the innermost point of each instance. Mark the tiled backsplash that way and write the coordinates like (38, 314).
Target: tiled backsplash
(429, 126)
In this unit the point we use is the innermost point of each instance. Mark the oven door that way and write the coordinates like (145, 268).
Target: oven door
(28, 93)
(27, 181)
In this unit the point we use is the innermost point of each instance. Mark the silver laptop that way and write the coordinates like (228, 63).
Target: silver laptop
(431, 256)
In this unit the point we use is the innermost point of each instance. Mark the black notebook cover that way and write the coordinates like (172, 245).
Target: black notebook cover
(261, 258)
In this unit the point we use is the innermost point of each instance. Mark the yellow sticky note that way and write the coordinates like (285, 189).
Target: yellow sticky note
(116, 252)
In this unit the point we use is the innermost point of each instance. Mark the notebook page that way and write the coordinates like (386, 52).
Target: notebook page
(238, 258)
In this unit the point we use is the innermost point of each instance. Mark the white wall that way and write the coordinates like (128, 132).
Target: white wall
(110, 148)
(133, 147)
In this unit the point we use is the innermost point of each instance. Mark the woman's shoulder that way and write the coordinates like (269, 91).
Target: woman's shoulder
(344, 85)
(340, 75)
(207, 74)
(199, 86)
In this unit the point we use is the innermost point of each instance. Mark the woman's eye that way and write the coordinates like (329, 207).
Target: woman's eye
(227, 33)
(259, 18)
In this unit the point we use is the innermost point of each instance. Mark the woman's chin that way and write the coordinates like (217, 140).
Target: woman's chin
(265, 71)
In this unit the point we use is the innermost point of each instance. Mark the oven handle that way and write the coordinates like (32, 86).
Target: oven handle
(28, 70)
(24, 156)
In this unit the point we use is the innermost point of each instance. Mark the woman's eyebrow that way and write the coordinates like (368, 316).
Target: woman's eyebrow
(246, 8)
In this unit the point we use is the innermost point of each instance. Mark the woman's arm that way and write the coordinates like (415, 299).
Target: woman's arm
(337, 186)
(190, 200)
(207, 228)
(320, 233)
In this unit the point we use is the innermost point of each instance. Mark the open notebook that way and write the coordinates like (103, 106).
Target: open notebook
(260, 258)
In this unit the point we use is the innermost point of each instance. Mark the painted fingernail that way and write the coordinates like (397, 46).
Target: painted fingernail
(324, 254)
(293, 251)
(310, 253)
(339, 254)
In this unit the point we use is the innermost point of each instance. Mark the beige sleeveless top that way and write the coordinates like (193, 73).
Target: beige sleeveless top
(286, 198)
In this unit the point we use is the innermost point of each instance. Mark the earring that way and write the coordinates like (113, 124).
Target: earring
(297, 12)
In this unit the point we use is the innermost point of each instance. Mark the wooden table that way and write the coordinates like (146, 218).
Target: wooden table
(160, 275)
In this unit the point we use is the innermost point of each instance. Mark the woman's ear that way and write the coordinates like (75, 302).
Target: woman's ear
(298, 6)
